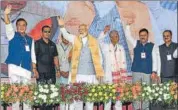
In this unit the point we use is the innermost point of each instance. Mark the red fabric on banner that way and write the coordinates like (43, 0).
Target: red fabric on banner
(35, 33)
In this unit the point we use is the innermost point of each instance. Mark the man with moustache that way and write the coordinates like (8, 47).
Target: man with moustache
(168, 62)
(115, 66)
(46, 64)
(169, 72)
(146, 60)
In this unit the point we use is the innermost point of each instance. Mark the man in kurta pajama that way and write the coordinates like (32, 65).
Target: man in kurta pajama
(146, 61)
(19, 57)
(86, 60)
(115, 65)
(64, 54)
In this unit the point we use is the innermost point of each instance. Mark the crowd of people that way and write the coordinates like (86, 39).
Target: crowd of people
(84, 58)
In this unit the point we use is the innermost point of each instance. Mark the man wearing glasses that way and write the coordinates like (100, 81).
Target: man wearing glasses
(46, 63)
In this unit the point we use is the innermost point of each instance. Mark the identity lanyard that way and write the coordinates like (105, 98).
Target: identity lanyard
(27, 48)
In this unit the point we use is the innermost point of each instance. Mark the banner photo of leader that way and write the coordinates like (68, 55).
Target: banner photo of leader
(156, 16)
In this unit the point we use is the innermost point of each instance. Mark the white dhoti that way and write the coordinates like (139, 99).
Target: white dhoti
(91, 79)
(118, 105)
(18, 74)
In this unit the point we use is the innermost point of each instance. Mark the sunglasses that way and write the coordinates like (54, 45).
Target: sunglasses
(47, 31)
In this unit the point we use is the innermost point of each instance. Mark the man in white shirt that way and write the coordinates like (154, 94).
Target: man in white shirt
(64, 49)
(146, 61)
(115, 65)
(20, 50)
(86, 59)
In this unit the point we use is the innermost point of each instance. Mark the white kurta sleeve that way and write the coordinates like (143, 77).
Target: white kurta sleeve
(33, 55)
(9, 31)
(67, 36)
(156, 63)
(129, 36)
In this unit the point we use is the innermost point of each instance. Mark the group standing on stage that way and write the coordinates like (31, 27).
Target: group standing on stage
(84, 58)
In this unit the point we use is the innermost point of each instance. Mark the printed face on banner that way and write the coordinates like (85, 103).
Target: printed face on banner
(16, 5)
(137, 14)
(84, 14)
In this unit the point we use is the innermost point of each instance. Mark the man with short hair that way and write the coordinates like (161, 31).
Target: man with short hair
(169, 71)
(19, 53)
(146, 61)
(46, 64)
(64, 49)
(168, 62)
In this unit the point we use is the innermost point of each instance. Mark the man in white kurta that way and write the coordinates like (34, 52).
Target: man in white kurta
(114, 62)
(64, 55)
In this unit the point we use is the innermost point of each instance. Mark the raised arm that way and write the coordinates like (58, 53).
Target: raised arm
(129, 36)
(103, 33)
(66, 35)
(9, 29)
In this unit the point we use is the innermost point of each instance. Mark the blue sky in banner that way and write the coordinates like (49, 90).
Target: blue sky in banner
(164, 16)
